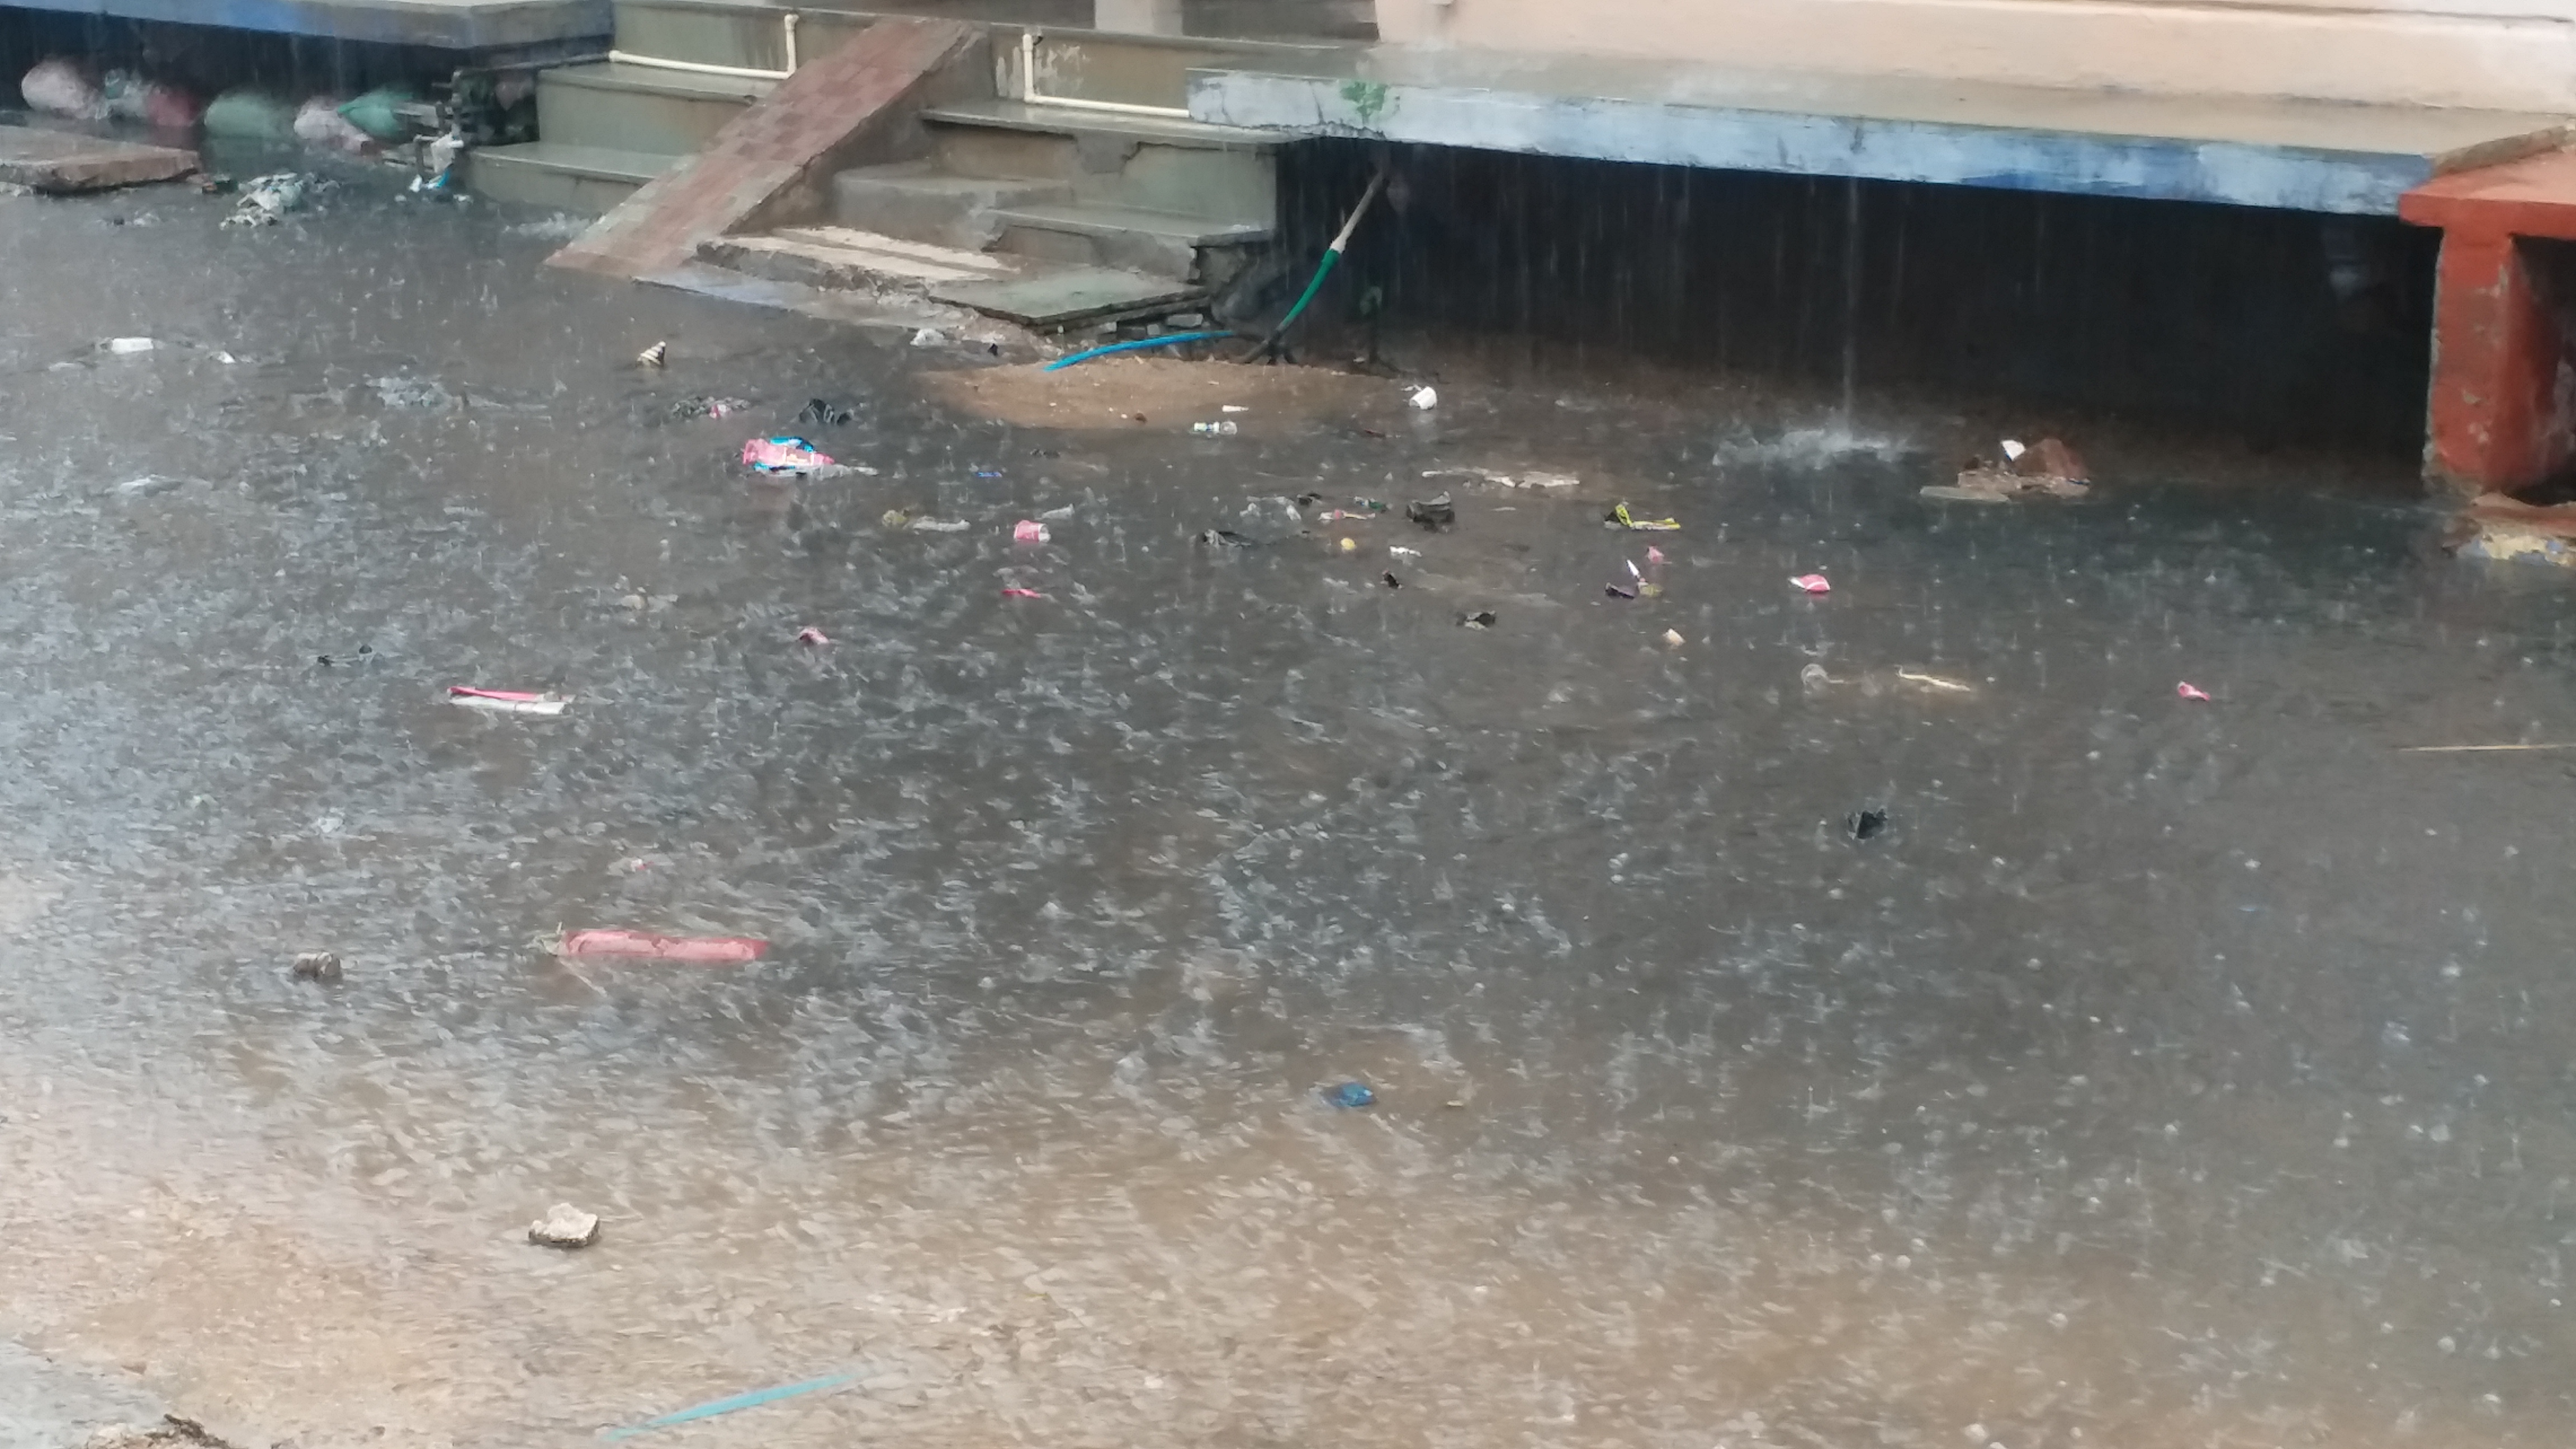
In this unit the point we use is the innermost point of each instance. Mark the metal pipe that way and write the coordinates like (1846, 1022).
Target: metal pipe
(1029, 90)
(655, 62)
(789, 22)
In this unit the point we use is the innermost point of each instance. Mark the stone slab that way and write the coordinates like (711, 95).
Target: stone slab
(1067, 296)
(62, 161)
(440, 24)
(46, 1405)
(2297, 155)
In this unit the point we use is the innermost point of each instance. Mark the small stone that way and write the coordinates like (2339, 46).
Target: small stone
(1188, 321)
(565, 1226)
(316, 966)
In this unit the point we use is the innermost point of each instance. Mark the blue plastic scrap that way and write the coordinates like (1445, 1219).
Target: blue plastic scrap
(1351, 1094)
(751, 1400)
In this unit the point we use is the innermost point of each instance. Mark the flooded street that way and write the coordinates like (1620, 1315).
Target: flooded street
(2164, 1074)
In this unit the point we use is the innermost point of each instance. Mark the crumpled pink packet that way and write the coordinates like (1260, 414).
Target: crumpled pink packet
(645, 946)
(2193, 692)
(811, 635)
(1022, 594)
(1028, 530)
(782, 455)
(1811, 584)
(506, 701)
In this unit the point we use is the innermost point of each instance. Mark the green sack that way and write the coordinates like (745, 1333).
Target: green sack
(247, 115)
(377, 113)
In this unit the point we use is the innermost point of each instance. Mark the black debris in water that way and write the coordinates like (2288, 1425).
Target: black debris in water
(1435, 515)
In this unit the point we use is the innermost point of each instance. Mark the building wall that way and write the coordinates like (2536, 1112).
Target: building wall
(2279, 328)
(2497, 54)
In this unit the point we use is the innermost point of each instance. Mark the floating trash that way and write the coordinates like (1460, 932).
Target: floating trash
(506, 701)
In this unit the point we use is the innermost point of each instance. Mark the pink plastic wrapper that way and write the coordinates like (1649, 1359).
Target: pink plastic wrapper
(782, 455)
(506, 701)
(2192, 692)
(1022, 594)
(1812, 584)
(168, 108)
(318, 123)
(1028, 530)
(811, 635)
(645, 946)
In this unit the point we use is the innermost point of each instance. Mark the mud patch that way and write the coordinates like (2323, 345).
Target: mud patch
(1134, 392)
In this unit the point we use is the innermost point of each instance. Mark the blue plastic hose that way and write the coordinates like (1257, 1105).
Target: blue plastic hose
(1139, 345)
(726, 1406)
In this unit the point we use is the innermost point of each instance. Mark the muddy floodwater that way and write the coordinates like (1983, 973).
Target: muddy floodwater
(2163, 1074)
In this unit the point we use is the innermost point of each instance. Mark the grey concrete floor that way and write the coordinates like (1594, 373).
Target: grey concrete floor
(2165, 1075)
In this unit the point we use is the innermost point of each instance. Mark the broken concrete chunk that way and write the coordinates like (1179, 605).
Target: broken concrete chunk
(172, 1432)
(2496, 527)
(564, 1226)
(2045, 469)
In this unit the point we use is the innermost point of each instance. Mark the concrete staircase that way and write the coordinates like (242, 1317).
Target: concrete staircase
(679, 70)
(1069, 187)
(607, 128)
(1047, 215)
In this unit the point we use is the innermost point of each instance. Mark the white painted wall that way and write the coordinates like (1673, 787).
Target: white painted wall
(2495, 54)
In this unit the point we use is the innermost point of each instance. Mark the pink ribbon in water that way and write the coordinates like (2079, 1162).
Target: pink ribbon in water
(645, 946)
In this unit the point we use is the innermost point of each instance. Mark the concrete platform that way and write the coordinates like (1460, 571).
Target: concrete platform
(2297, 155)
(64, 161)
(439, 24)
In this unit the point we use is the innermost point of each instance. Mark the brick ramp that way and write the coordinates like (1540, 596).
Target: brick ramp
(61, 161)
(789, 141)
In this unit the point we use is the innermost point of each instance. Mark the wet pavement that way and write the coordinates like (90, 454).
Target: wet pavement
(2164, 1074)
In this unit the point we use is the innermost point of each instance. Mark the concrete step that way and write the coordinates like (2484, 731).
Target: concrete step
(1149, 163)
(1130, 69)
(1059, 298)
(1032, 293)
(585, 180)
(731, 33)
(848, 259)
(1073, 120)
(917, 201)
(1155, 243)
(622, 106)
(751, 37)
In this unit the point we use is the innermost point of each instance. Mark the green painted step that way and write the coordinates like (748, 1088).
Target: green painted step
(918, 201)
(620, 106)
(584, 180)
(1155, 243)
(1068, 120)
(1070, 296)
(1147, 163)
